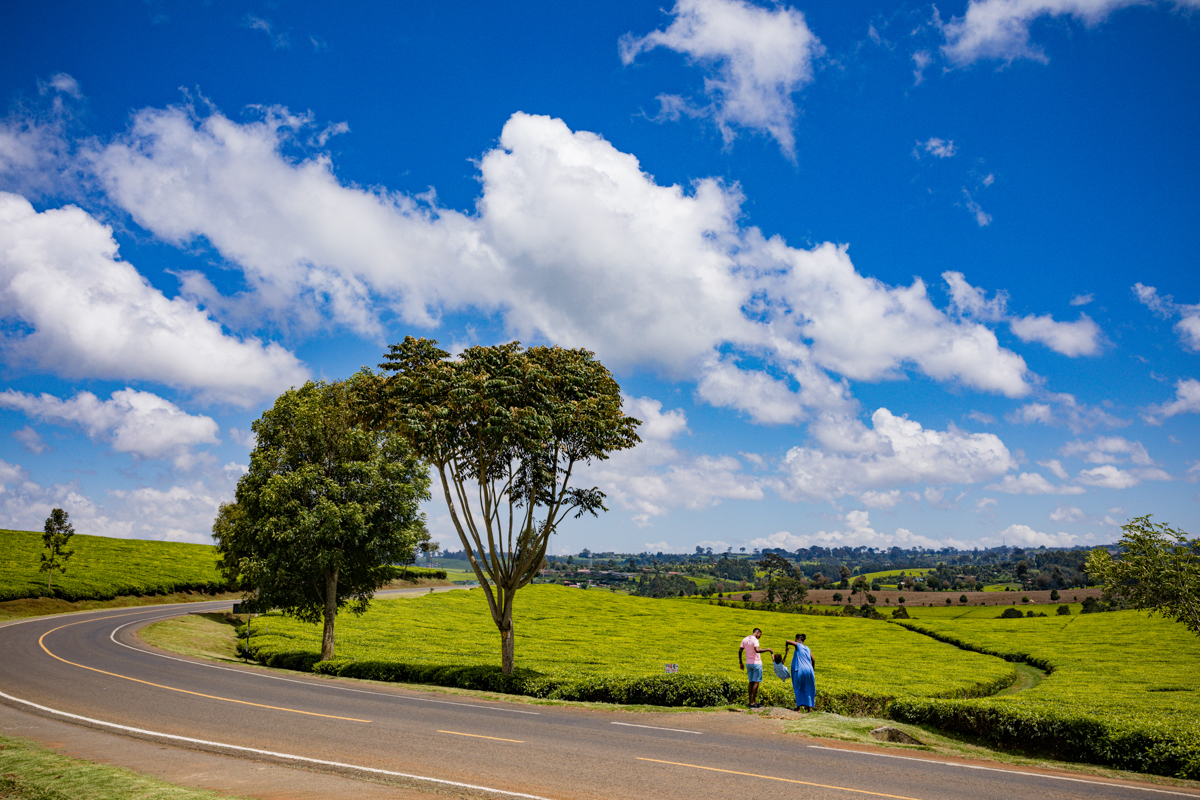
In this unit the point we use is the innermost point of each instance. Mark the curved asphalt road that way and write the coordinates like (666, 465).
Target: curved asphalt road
(92, 666)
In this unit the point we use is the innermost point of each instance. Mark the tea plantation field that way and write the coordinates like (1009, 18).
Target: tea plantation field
(1124, 689)
(597, 645)
(104, 568)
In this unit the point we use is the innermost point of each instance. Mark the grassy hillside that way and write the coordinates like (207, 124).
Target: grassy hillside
(104, 568)
(1124, 689)
(572, 635)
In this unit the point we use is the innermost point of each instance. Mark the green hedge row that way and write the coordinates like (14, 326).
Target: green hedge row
(1026, 658)
(1026, 728)
(415, 573)
(110, 590)
(681, 690)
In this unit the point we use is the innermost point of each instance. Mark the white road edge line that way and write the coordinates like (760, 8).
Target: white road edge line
(1008, 771)
(319, 685)
(656, 728)
(285, 756)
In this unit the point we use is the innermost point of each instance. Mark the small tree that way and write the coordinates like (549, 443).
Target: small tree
(57, 532)
(1064, 611)
(1159, 570)
(837, 597)
(325, 510)
(505, 429)
(774, 565)
(962, 598)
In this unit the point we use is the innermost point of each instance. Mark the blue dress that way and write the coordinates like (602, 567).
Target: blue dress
(804, 682)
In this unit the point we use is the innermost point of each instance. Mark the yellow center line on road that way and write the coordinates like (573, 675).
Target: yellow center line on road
(784, 780)
(172, 688)
(477, 736)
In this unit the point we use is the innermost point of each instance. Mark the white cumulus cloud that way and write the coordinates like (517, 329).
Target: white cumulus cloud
(895, 450)
(855, 531)
(1032, 483)
(1165, 306)
(1108, 450)
(1025, 536)
(999, 29)
(90, 315)
(1187, 401)
(139, 423)
(1108, 477)
(1078, 338)
(571, 242)
(755, 58)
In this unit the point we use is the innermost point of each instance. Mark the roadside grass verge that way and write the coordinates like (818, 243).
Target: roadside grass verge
(606, 647)
(43, 606)
(31, 772)
(104, 568)
(1123, 690)
(211, 635)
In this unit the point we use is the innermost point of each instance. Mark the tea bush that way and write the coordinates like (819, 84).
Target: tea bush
(104, 568)
(601, 646)
(1123, 690)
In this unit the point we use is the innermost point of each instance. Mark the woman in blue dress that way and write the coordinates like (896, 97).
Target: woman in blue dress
(804, 681)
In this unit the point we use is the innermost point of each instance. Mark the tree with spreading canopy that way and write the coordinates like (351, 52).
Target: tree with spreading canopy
(1158, 569)
(55, 535)
(326, 509)
(506, 428)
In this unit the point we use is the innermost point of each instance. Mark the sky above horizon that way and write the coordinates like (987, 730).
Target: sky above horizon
(871, 274)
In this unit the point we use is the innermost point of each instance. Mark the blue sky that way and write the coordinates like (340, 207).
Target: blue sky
(872, 274)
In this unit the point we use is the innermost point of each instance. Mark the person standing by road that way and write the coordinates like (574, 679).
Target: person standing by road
(804, 679)
(754, 669)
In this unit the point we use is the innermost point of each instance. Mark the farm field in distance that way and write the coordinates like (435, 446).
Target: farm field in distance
(573, 632)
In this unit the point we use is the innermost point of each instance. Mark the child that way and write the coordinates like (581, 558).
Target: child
(780, 669)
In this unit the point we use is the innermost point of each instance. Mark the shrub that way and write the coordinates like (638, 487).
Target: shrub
(837, 597)
(1024, 599)
(1054, 594)
(1011, 613)
(1063, 611)
(949, 601)
(746, 598)
(900, 599)
(900, 613)
(962, 598)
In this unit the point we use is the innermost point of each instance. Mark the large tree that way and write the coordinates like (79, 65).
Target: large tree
(1158, 569)
(506, 429)
(326, 508)
(55, 535)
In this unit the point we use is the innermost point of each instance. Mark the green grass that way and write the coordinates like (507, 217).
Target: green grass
(1002, 587)
(104, 568)
(892, 573)
(31, 772)
(1124, 689)
(568, 633)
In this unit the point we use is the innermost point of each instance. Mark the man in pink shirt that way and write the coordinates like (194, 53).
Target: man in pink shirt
(754, 668)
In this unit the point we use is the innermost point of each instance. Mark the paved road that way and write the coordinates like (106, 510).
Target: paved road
(92, 666)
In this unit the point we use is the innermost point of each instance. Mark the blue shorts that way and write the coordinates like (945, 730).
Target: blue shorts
(754, 673)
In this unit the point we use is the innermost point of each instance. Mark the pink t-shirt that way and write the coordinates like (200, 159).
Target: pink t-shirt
(750, 645)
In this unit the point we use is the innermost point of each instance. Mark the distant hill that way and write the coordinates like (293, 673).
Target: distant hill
(104, 568)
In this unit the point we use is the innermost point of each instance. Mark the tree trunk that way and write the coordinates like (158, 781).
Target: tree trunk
(507, 639)
(506, 649)
(331, 577)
